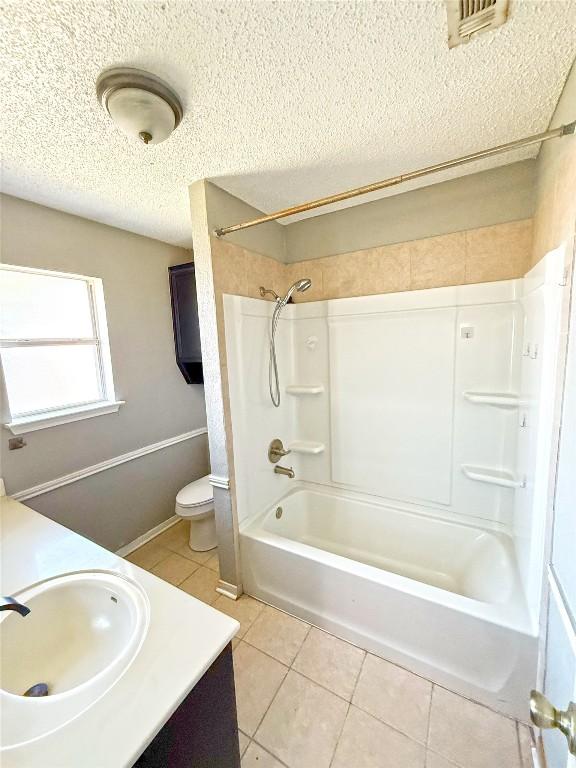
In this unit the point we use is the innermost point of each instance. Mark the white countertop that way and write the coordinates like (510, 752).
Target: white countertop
(184, 637)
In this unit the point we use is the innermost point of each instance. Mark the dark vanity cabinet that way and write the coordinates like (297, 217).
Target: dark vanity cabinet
(203, 731)
(186, 323)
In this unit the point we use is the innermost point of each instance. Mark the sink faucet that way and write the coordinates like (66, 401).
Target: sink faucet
(288, 471)
(9, 604)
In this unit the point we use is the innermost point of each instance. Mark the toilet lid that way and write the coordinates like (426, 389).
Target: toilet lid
(193, 494)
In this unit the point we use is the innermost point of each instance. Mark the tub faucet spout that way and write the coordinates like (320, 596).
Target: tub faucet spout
(288, 471)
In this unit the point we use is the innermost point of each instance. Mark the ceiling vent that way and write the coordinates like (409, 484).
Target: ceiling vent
(469, 17)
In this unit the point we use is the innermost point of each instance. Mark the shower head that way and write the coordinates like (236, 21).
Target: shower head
(303, 285)
(300, 286)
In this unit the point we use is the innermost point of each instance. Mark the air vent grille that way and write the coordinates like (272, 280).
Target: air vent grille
(469, 17)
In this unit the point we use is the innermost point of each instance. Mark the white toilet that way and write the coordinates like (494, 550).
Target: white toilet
(195, 502)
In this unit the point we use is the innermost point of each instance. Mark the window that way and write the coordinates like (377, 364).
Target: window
(54, 348)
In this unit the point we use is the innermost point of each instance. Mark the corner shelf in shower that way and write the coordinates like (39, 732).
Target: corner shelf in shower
(305, 389)
(501, 477)
(306, 446)
(500, 399)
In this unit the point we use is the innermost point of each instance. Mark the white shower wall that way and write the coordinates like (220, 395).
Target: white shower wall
(383, 405)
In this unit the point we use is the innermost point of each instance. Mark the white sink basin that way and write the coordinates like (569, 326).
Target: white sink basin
(81, 634)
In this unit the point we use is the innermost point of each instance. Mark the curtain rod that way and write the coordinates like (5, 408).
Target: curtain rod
(563, 130)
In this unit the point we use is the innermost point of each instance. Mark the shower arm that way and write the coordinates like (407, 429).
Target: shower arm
(563, 130)
(268, 292)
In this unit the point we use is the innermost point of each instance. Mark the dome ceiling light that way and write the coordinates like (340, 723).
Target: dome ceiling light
(142, 106)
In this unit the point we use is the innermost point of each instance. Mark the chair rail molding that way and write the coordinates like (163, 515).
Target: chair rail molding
(216, 481)
(80, 474)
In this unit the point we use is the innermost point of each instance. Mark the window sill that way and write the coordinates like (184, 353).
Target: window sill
(66, 415)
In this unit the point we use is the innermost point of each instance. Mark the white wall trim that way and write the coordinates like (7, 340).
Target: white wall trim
(80, 474)
(48, 419)
(219, 482)
(146, 537)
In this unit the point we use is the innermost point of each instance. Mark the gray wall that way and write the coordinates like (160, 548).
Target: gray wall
(225, 209)
(117, 505)
(478, 200)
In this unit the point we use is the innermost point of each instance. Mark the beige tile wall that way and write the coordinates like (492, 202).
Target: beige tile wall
(499, 252)
(556, 205)
(480, 255)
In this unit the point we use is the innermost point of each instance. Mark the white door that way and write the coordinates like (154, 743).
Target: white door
(560, 654)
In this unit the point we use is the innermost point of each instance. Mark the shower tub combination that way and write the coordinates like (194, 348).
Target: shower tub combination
(441, 598)
(385, 538)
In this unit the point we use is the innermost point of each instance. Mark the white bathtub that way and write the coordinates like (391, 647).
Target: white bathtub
(438, 597)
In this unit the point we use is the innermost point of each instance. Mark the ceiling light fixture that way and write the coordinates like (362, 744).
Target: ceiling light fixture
(142, 106)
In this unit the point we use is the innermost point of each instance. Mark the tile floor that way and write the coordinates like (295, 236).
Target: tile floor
(307, 699)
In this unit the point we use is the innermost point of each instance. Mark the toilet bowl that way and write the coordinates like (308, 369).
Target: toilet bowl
(195, 502)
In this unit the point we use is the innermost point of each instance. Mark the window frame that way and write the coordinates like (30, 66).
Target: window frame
(107, 403)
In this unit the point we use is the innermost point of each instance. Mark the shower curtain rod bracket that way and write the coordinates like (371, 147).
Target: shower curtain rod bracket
(563, 130)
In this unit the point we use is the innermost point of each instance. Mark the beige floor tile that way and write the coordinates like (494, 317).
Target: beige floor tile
(175, 568)
(303, 723)
(175, 536)
(277, 634)
(198, 557)
(368, 743)
(333, 663)
(257, 678)
(245, 610)
(471, 735)
(437, 761)
(256, 757)
(244, 741)
(525, 741)
(202, 584)
(213, 563)
(395, 696)
(148, 555)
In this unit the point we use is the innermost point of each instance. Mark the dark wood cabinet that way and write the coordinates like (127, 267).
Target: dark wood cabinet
(185, 322)
(203, 732)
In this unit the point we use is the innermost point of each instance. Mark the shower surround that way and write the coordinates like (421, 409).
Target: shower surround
(408, 529)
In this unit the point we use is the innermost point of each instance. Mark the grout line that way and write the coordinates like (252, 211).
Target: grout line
(301, 646)
(427, 740)
(268, 752)
(340, 732)
(273, 697)
(360, 668)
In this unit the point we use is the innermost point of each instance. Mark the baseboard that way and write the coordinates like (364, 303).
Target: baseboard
(228, 590)
(146, 537)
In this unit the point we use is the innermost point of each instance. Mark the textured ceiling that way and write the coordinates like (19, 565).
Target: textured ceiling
(284, 101)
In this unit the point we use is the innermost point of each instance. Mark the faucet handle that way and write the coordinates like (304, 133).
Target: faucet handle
(276, 451)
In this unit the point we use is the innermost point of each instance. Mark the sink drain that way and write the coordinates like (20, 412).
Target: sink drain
(35, 691)
(278, 513)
